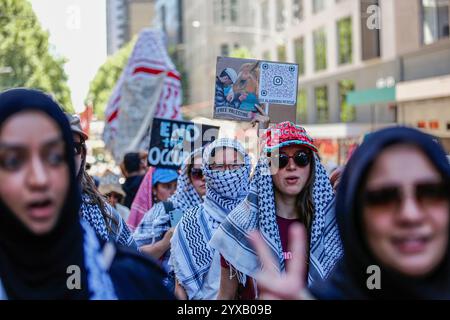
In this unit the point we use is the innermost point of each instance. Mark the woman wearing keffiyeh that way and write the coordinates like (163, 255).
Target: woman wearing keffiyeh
(289, 185)
(226, 168)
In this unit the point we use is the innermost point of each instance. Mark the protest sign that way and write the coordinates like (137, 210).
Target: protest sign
(172, 141)
(242, 83)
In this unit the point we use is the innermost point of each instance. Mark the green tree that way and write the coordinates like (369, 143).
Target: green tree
(24, 53)
(241, 53)
(348, 112)
(101, 87)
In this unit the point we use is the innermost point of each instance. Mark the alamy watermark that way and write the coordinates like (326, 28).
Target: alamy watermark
(374, 280)
(74, 279)
(374, 19)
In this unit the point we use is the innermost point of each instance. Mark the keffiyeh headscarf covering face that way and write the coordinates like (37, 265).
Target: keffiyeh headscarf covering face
(258, 212)
(35, 267)
(226, 188)
(191, 255)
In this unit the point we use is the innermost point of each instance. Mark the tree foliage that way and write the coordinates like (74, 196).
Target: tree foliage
(25, 59)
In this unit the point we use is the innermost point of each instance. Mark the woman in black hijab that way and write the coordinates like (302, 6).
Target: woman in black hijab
(393, 211)
(45, 251)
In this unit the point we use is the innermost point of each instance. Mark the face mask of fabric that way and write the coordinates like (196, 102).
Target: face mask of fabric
(229, 184)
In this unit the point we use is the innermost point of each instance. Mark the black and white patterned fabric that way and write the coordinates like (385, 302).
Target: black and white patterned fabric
(191, 255)
(258, 212)
(91, 213)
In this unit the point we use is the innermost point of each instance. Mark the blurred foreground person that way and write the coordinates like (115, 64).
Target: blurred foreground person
(393, 215)
(103, 218)
(46, 250)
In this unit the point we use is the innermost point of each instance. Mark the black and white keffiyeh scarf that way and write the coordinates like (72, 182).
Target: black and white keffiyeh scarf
(191, 255)
(156, 221)
(258, 212)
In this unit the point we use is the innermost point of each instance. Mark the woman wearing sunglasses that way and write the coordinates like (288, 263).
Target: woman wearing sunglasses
(392, 207)
(154, 232)
(106, 221)
(289, 186)
(226, 167)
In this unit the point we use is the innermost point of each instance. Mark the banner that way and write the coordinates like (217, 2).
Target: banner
(172, 141)
(148, 61)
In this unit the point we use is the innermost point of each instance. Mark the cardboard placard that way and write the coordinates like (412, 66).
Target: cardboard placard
(242, 83)
(172, 141)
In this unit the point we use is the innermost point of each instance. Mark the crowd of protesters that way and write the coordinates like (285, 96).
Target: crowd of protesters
(218, 228)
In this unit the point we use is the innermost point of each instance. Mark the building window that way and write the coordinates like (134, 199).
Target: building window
(281, 52)
(265, 15)
(233, 11)
(302, 110)
(299, 47)
(344, 27)
(320, 49)
(297, 11)
(370, 37)
(321, 99)
(435, 20)
(348, 112)
(281, 12)
(224, 50)
(318, 5)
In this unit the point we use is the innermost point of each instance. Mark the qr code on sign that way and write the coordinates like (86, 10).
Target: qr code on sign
(278, 83)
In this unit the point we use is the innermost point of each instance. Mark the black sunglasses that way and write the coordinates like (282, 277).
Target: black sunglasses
(78, 147)
(301, 159)
(393, 196)
(196, 173)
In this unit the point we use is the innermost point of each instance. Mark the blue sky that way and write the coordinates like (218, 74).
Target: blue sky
(78, 32)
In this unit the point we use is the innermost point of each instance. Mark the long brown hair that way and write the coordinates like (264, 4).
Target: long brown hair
(89, 189)
(305, 203)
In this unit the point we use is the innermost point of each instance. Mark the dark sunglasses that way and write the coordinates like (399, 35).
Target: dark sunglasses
(301, 159)
(78, 147)
(393, 196)
(197, 173)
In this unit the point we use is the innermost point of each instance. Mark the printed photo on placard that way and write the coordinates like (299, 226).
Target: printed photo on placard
(242, 83)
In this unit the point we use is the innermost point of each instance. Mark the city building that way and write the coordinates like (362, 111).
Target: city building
(363, 64)
(213, 28)
(124, 19)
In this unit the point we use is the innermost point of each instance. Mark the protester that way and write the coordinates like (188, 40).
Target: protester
(226, 168)
(148, 194)
(164, 184)
(43, 241)
(289, 185)
(392, 208)
(113, 192)
(106, 221)
(155, 230)
(134, 171)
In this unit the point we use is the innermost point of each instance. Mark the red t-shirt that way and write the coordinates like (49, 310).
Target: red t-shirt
(248, 291)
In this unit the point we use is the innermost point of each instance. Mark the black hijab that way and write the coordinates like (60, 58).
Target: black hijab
(31, 266)
(349, 279)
